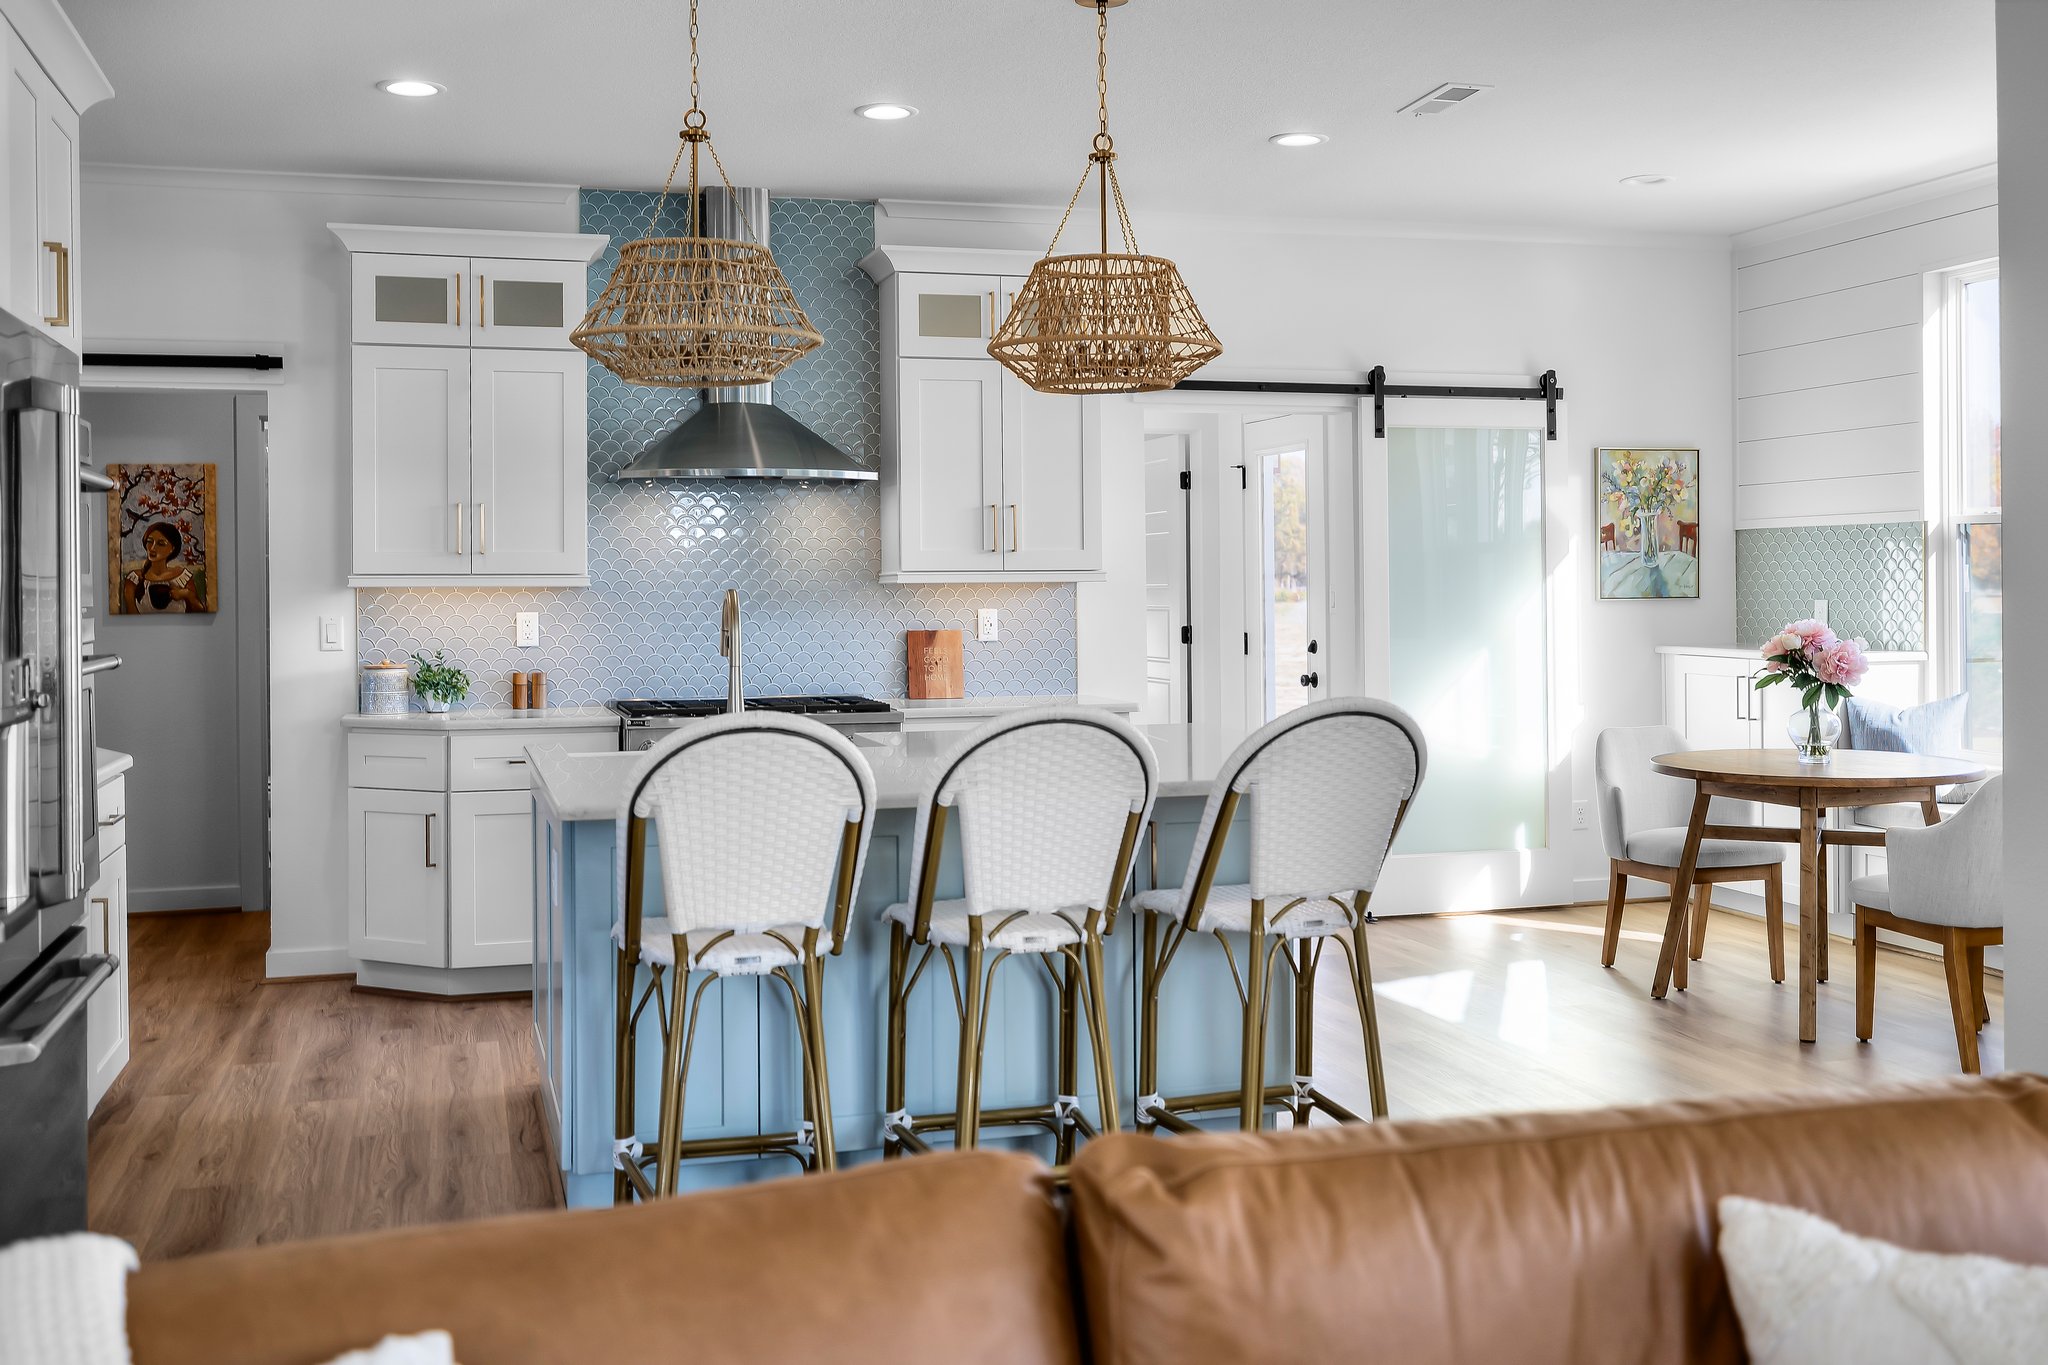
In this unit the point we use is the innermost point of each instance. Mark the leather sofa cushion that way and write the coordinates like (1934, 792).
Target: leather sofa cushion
(1558, 1239)
(951, 1256)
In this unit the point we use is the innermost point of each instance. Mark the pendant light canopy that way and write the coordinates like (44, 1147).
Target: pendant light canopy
(1104, 322)
(696, 312)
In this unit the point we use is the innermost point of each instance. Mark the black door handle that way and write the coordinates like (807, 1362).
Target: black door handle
(1311, 680)
(1311, 646)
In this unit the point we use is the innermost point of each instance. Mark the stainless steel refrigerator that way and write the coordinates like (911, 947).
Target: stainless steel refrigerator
(49, 847)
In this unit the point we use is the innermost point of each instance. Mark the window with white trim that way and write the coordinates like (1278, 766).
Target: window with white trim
(1968, 540)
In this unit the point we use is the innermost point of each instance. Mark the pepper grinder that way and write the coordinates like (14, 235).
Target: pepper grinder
(537, 691)
(518, 691)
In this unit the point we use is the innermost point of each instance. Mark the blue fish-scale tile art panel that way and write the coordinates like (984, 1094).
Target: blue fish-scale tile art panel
(804, 558)
(1873, 579)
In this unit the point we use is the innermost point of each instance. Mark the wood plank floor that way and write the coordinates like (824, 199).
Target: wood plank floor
(256, 1112)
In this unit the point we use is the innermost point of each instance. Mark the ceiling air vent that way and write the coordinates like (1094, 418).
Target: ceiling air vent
(1444, 98)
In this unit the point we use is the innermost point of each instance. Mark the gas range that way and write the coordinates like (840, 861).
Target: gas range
(644, 721)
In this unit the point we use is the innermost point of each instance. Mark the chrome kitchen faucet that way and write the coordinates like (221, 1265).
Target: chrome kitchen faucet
(729, 646)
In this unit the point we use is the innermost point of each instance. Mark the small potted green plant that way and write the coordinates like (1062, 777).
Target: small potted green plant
(439, 683)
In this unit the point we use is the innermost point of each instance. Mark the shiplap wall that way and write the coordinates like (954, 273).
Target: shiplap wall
(1831, 349)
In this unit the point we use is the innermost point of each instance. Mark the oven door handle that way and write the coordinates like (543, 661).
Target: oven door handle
(87, 974)
(99, 663)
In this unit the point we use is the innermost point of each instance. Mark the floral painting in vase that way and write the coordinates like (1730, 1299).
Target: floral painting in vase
(1646, 515)
(160, 540)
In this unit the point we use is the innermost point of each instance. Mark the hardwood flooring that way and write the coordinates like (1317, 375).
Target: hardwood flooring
(256, 1112)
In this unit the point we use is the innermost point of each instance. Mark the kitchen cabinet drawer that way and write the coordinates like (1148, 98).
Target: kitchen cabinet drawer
(414, 763)
(113, 817)
(495, 760)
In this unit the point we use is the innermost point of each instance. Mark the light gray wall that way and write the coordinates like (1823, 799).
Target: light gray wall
(179, 700)
(2023, 344)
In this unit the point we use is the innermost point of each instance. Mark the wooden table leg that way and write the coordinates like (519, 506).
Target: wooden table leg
(1820, 955)
(1681, 890)
(1810, 915)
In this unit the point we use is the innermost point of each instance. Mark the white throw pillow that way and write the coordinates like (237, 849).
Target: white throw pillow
(1808, 1292)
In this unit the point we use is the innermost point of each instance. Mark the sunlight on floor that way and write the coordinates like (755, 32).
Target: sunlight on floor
(1525, 1006)
(1444, 995)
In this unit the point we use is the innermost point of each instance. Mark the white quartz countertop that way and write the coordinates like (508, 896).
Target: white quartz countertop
(924, 708)
(1876, 656)
(488, 718)
(590, 786)
(109, 764)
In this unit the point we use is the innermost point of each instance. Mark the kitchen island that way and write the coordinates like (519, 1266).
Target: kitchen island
(745, 1067)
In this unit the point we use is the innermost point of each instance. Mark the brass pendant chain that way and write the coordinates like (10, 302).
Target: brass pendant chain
(1101, 160)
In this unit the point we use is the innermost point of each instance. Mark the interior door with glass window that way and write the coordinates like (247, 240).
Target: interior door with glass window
(1461, 628)
(1285, 485)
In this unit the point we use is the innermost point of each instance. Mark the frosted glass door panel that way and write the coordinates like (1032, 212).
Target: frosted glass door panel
(1468, 631)
(1284, 579)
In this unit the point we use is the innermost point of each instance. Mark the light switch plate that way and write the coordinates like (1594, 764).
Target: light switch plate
(526, 629)
(1820, 610)
(985, 629)
(330, 633)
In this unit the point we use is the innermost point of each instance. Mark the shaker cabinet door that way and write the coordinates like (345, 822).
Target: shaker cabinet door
(412, 458)
(490, 887)
(398, 876)
(948, 317)
(526, 304)
(1052, 477)
(411, 300)
(949, 472)
(528, 481)
(107, 1037)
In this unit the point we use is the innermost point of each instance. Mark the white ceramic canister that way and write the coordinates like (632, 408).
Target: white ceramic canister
(384, 689)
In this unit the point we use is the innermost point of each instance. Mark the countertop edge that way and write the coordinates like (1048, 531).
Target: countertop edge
(109, 764)
(487, 718)
(1876, 656)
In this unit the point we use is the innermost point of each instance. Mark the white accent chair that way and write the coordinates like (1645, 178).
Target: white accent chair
(1049, 801)
(1945, 884)
(1329, 784)
(763, 823)
(1643, 819)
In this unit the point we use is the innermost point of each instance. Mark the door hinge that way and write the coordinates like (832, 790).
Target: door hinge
(1187, 481)
(1247, 644)
(1187, 635)
(1240, 476)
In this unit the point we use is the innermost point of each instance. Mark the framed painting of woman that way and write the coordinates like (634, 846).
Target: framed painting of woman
(160, 540)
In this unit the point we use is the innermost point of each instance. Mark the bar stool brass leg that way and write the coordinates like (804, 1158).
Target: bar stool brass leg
(1252, 1070)
(1098, 1030)
(967, 1133)
(892, 1094)
(1305, 1021)
(814, 1011)
(1368, 1016)
(1068, 1048)
(670, 1123)
(623, 1072)
(1148, 1008)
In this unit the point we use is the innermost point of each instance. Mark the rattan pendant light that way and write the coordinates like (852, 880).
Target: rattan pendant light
(696, 312)
(1104, 322)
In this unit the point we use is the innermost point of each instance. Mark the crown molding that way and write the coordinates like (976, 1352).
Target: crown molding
(54, 42)
(1961, 183)
(489, 242)
(351, 186)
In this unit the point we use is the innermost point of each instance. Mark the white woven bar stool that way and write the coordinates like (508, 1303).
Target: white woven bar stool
(1049, 802)
(764, 823)
(1330, 784)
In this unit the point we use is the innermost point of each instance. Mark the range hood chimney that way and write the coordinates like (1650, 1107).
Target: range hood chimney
(740, 433)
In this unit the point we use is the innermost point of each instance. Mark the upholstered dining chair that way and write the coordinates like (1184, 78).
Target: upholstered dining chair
(762, 823)
(1944, 884)
(1643, 819)
(1050, 802)
(1329, 785)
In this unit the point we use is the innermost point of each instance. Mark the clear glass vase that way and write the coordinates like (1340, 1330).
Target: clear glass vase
(1814, 730)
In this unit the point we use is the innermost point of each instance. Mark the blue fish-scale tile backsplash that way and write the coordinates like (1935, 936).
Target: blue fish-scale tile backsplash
(804, 559)
(1873, 579)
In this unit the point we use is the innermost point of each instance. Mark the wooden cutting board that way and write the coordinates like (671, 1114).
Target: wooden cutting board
(934, 664)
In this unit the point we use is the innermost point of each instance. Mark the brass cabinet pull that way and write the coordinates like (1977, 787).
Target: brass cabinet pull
(991, 313)
(1013, 528)
(429, 827)
(461, 525)
(483, 541)
(63, 314)
(994, 520)
(481, 319)
(458, 298)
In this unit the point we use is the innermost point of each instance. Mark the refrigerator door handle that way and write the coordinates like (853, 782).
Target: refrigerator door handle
(86, 974)
(99, 663)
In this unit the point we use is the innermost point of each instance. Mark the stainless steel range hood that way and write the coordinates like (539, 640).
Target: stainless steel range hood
(740, 433)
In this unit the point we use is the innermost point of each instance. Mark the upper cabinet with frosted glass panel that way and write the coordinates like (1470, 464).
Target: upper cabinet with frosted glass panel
(950, 316)
(50, 80)
(432, 300)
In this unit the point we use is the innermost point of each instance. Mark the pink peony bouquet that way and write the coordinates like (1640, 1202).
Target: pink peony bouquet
(1812, 658)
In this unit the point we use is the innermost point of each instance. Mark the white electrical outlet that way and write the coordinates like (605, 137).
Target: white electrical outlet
(1820, 610)
(526, 629)
(1582, 815)
(330, 633)
(986, 628)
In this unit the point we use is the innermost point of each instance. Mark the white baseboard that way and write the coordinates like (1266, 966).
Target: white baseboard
(284, 963)
(150, 900)
(449, 981)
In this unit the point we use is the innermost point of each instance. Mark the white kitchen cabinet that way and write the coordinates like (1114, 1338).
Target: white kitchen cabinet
(398, 876)
(983, 479)
(471, 443)
(51, 78)
(107, 1035)
(490, 887)
(1711, 700)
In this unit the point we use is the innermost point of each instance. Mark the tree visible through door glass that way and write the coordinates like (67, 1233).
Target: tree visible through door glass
(1283, 482)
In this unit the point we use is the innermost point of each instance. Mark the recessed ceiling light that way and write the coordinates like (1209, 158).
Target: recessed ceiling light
(412, 90)
(1644, 181)
(885, 113)
(1297, 139)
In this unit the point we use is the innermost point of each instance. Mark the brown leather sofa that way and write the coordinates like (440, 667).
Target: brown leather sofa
(1579, 1238)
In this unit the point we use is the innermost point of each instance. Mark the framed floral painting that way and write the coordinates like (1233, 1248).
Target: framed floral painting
(160, 540)
(1646, 518)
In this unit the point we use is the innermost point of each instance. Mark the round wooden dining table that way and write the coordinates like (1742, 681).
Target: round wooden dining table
(1776, 777)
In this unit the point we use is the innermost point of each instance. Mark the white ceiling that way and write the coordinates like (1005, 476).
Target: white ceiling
(1761, 109)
